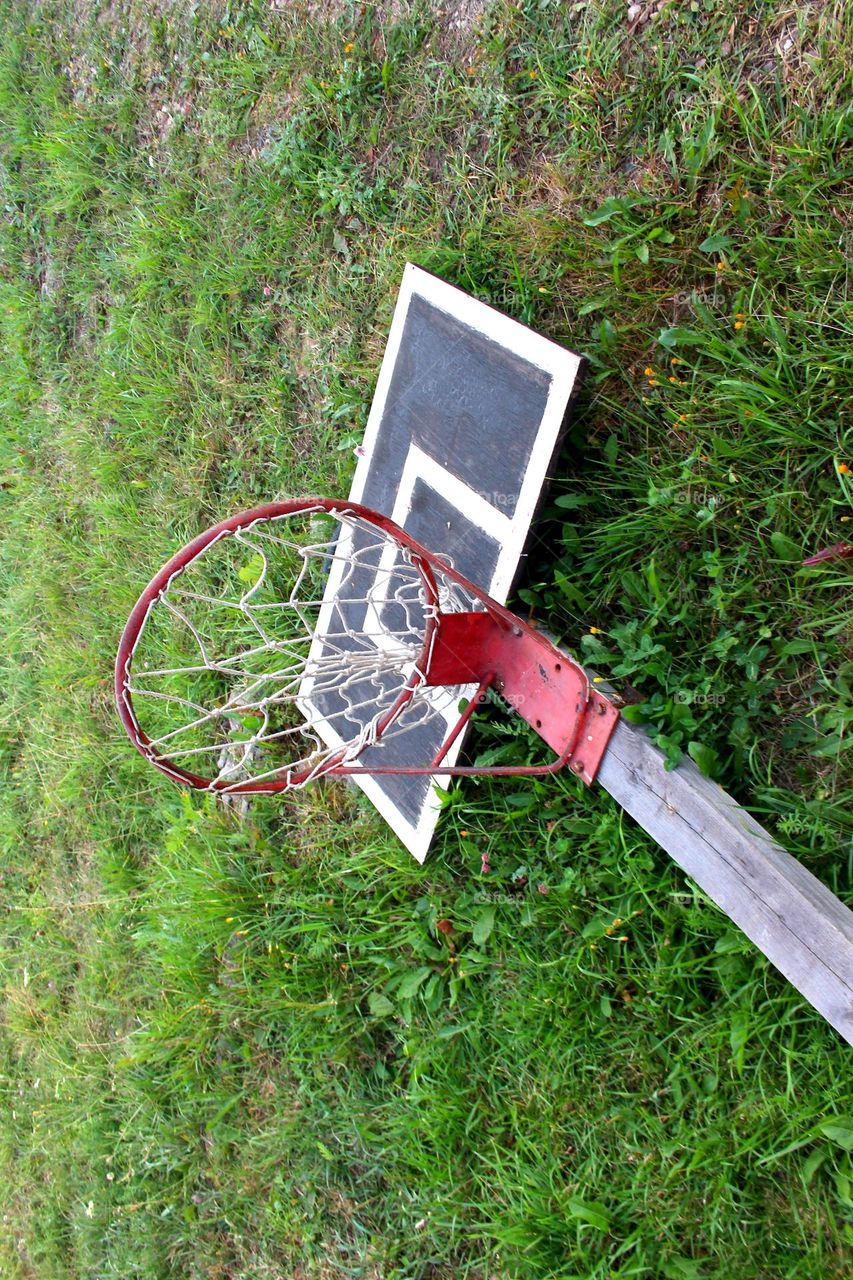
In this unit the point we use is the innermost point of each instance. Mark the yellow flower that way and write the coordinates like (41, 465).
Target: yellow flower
(349, 46)
(738, 324)
(648, 371)
(675, 360)
(594, 631)
(721, 266)
(843, 468)
(653, 382)
(677, 381)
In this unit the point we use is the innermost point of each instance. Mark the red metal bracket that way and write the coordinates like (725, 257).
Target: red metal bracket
(542, 684)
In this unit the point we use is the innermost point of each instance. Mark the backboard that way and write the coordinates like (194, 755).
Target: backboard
(467, 416)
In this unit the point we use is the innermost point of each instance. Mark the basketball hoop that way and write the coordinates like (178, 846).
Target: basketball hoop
(301, 638)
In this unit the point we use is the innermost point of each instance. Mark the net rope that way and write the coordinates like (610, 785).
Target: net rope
(281, 649)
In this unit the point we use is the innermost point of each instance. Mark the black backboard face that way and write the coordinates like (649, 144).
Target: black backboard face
(468, 412)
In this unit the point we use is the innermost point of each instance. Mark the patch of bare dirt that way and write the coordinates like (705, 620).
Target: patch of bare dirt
(458, 20)
(269, 112)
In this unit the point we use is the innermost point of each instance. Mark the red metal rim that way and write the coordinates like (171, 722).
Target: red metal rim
(424, 560)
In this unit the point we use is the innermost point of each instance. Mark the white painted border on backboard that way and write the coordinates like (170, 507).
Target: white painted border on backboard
(558, 362)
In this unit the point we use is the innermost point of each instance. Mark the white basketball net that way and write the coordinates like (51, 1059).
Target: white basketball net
(280, 649)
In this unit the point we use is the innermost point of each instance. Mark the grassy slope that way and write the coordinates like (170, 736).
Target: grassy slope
(245, 1051)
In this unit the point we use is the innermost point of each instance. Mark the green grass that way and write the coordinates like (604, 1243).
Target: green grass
(247, 1050)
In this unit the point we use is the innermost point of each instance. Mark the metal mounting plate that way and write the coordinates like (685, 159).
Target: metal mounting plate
(543, 685)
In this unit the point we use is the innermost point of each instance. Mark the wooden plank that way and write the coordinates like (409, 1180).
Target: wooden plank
(787, 912)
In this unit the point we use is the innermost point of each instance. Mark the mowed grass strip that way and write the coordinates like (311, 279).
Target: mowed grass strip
(279, 1047)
